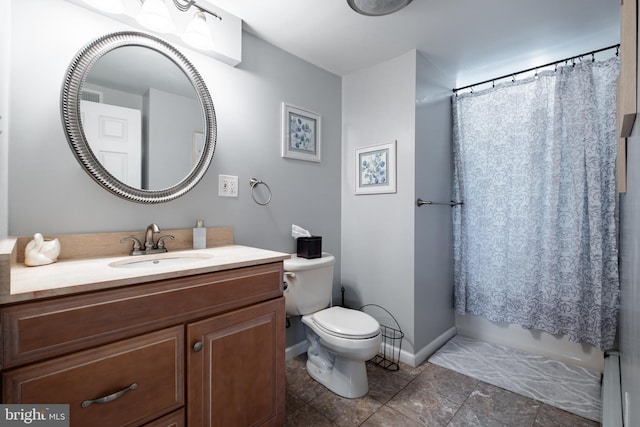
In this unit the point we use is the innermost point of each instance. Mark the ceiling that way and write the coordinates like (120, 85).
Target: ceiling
(474, 39)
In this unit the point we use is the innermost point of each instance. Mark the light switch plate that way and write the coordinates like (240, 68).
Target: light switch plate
(227, 186)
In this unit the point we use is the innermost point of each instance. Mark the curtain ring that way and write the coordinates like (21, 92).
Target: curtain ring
(253, 182)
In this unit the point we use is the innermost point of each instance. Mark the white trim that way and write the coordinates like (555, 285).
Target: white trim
(296, 350)
(611, 392)
(426, 351)
(405, 357)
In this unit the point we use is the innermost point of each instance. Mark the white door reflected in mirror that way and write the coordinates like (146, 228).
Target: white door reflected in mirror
(115, 136)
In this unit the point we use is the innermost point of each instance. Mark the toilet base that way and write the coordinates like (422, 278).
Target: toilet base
(339, 363)
(347, 378)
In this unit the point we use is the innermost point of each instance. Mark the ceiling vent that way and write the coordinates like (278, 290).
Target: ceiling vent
(91, 95)
(377, 7)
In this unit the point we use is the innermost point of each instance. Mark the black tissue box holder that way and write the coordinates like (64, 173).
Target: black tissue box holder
(309, 247)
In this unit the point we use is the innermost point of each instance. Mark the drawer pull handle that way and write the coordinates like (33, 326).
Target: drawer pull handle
(197, 346)
(111, 397)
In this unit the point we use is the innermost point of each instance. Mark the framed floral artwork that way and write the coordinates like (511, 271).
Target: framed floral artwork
(300, 133)
(376, 169)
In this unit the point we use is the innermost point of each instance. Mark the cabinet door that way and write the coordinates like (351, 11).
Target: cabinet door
(126, 383)
(235, 368)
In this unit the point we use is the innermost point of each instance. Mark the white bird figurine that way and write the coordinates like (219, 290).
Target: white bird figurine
(40, 251)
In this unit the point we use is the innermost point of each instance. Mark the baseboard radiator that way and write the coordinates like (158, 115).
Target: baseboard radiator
(611, 391)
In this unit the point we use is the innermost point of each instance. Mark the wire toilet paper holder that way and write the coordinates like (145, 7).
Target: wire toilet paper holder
(388, 356)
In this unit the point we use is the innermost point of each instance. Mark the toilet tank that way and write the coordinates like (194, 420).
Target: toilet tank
(308, 283)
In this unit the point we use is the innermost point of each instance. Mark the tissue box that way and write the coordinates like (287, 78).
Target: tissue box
(309, 247)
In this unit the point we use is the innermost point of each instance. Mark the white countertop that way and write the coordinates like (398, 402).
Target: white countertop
(71, 276)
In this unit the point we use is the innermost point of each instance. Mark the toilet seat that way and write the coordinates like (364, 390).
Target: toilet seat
(346, 323)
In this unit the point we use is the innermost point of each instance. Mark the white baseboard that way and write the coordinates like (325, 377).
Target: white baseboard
(611, 392)
(296, 350)
(405, 357)
(426, 351)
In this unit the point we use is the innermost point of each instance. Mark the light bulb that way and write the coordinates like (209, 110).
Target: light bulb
(155, 16)
(197, 33)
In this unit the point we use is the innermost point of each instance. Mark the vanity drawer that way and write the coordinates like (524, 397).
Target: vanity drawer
(174, 419)
(43, 329)
(154, 362)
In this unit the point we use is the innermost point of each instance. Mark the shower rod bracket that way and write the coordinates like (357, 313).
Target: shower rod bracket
(451, 203)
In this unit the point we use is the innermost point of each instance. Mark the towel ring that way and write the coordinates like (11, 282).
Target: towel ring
(253, 182)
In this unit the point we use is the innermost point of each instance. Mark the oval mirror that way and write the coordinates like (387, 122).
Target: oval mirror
(138, 117)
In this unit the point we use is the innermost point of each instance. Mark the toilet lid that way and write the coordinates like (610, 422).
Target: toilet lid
(347, 323)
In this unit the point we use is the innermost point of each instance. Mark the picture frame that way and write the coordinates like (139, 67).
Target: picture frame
(375, 168)
(197, 146)
(301, 133)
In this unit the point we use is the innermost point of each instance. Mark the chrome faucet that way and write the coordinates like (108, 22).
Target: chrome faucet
(148, 236)
(150, 247)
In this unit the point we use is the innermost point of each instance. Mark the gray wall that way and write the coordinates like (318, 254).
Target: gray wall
(169, 150)
(117, 97)
(433, 228)
(395, 254)
(629, 331)
(377, 229)
(50, 193)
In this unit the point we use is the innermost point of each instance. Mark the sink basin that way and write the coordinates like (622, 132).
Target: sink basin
(160, 260)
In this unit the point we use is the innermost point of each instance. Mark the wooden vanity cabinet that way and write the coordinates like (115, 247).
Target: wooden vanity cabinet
(242, 353)
(204, 350)
(142, 375)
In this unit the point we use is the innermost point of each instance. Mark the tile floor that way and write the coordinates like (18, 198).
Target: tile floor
(427, 395)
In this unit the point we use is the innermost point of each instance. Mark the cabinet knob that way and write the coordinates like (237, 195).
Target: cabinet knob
(197, 346)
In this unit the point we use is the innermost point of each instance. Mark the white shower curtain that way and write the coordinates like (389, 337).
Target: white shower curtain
(535, 241)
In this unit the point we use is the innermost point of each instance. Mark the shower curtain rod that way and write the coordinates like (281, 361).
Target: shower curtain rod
(572, 58)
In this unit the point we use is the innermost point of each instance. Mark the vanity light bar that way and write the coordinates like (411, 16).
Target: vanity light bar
(155, 16)
(224, 35)
(185, 7)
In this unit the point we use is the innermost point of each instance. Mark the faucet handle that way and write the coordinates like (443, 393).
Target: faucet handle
(137, 246)
(160, 242)
(136, 242)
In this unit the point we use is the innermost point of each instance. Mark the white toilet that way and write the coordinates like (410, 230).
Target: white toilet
(341, 340)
